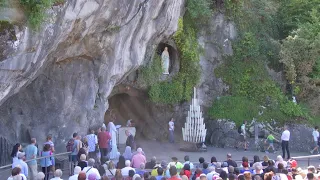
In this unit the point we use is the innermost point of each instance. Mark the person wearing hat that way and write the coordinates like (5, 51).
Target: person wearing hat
(21, 164)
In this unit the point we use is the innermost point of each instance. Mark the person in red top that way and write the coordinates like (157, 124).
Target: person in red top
(186, 171)
(103, 141)
(173, 173)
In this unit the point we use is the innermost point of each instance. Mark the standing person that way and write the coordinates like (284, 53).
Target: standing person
(103, 141)
(50, 142)
(69, 148)
(31, 153)
(114, 154)
(243, 138)
(130, 140)
(75, 149)
(171, 130)
(92, 144)
(315, 135)
(15, 151)
(285, 137)
(270, 139)
(46, 163)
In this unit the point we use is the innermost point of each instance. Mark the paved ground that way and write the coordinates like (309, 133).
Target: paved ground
(164, 151)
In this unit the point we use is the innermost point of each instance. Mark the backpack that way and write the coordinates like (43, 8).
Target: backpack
(239, 130)
(69, 145)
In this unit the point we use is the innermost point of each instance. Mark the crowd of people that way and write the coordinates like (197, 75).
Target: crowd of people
(93, 157)
(133, 166)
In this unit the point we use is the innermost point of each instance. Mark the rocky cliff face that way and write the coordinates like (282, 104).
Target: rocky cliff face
(57, 81)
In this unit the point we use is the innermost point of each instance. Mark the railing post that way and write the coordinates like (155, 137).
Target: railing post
(45, 168)
(308, 161)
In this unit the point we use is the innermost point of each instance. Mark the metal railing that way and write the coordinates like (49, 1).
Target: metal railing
(8, 167)
(306, 157)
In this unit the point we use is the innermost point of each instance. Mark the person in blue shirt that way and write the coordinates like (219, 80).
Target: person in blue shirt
(245, 166)
(20, 163)
(46, 163)
(31, 153)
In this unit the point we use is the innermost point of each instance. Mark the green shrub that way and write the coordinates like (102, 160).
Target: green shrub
(245, 72)
(35, 10)
(235, 108)
(151, 74)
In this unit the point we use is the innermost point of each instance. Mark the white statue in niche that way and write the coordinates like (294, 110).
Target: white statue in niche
(165, 61)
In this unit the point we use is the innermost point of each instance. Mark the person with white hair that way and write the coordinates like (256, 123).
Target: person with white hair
(76, 172)
(258, 170)
(23, 166)
(138, 159)
(90, 169)
(57, 175)
(40, 176)
(280, 160)
(212, 172)
(125, 170)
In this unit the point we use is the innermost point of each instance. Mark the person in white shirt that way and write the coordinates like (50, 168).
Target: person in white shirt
(315, 137)
(21, 164)
(125, 170)
(76, 171)
(16, 174)
(171, 130)
(187, 161)
(285, 137)
(92, 142)
(57, 175)
(90, 169)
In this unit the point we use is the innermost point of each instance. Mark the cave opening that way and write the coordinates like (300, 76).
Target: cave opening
(134, 104)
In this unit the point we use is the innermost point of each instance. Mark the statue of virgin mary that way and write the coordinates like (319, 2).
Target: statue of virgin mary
(165, 61)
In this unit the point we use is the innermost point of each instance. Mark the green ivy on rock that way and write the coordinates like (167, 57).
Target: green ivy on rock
(181, 86)
(35, 10)
(251, 90)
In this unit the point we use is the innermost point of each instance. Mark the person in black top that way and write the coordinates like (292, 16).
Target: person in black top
(130, 140)
(270, 167)
(255, 159)
(152, 163)
(265, 161)
(230, 161)
(83, 163)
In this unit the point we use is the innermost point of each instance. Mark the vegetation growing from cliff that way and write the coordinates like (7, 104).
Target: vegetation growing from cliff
(35, 10)
(300, 56)
(245, 72)
(181, 86)
(152, 72)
